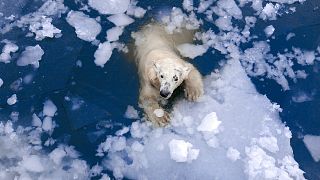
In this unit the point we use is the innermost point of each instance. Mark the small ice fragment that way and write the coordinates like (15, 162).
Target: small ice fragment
(47, 124)
(309, 57)
(32, 163)
(86, 28)
(290, 35)
(31, 55)
(109, 6)
(136, 146)
(159, 112)
(1, 82)
(233, 154)
(313, 145)
(181, 151)
(131, 113)
(114, 33)
(191, 51)
(49, 109)
(103, 54)
(187, 5)
(120, 19)
(36, 121)
(12, 100)
(57, 155)
(269, 30)
(6, 51)
(209, 123)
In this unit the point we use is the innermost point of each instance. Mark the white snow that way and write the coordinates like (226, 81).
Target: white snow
(182, 151)
(131, 113)
(245, 115)
(269, 30)
(49, 109)
(7, 49)
(191, 50)
(120, 19)
(233, 154)
(32, 163)
(86, 28)
(31, 55)
(114, 33)
(109, 6)
(209, 123)
(12, 99)
(103, 54)
(313, 145)
(187, 5)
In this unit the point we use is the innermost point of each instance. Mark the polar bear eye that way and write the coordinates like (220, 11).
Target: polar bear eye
(161, 76)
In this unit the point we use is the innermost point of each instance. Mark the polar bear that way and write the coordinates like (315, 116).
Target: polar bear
(161, 70)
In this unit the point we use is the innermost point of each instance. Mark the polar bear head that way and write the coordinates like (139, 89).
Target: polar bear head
(167, 75)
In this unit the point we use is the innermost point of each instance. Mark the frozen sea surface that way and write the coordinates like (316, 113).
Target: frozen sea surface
(68, 91)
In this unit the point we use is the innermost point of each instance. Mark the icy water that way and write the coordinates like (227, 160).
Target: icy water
(92, 101)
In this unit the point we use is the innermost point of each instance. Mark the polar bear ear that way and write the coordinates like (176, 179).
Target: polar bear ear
(153, 77)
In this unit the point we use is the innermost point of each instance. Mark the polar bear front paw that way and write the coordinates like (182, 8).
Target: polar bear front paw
(192, 93)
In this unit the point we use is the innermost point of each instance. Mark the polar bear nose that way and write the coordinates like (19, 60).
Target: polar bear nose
(164, 93)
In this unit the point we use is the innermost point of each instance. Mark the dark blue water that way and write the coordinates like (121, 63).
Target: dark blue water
(106, 92)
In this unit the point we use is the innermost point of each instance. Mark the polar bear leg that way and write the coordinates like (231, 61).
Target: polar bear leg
(149, 103)
(193, 85)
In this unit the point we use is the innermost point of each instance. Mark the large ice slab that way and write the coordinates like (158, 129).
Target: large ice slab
(233, 132)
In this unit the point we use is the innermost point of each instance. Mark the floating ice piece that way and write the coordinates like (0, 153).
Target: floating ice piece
(131, 113)
(109, 6)
(86, 28)
(120, 19)
(313, 145)
(36, 121)
(289, 36)
(233, 154)
(57, 155)
(114, 33)
(159, 112)
(187, 5)
(12, 100)
(103, 54)
(32, 163)
(192, 51)
(43, 28)
(309, 57)
(47, 124)
(1, 82)
(31, 55)
(269, 143)
(135, 11)
(269, 12)
(269, 30)
(181, 151)
(209, 123)
(8, 48)
(302, 97)
(49, 109)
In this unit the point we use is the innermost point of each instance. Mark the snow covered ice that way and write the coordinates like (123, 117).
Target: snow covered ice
(242, 108)
(110, 6)
(31, 55)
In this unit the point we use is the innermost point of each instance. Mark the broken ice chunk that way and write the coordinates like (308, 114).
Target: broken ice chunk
(103, 54)
(47, 124)
(49, 109)
(36, 121)
(57, 155)
(269, 30)
(109, 6)
(233, 154)
(131, 113)
(12, 100)
(114, 33)
(6, 50)
(313, 145)
(86, 28)
(32, 163)
(1, 82)
(158, 112)
(209, 123)
(31, 55)
(191, 50)
(120, 19)
(181, 151)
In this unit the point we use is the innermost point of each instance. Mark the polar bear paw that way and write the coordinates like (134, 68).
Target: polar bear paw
(192, 93)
